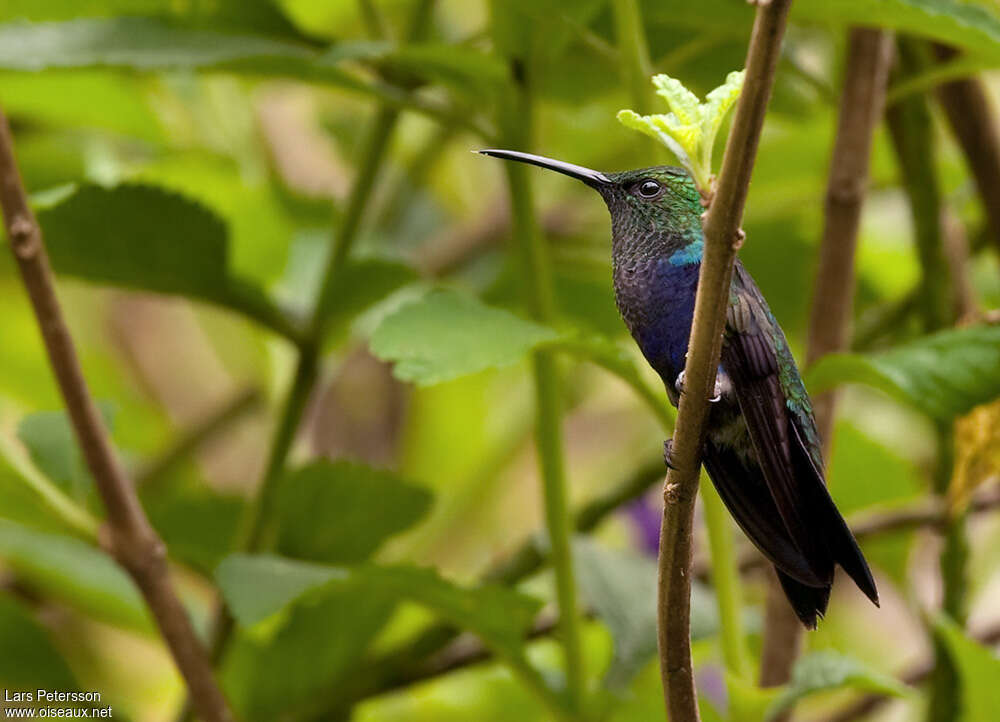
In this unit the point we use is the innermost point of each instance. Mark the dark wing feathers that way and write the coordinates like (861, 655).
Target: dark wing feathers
(787, 462)
(745, 493)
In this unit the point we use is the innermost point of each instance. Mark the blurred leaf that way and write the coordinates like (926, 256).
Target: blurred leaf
(943, 375)
(260, 226)
(856, 460)
(360, 284)
(80, 99)
(446, 335)
(261, 15)
(49, 438)
(620, 586)
(828, 670)
(978, 669)
(271, 678)
(198, 525)
(341, 512)
(67, 569)
(132, 42)
(967, 25)
(977, 452)
(29, 658)
(259, 587)
(747, 701)
(146, 238)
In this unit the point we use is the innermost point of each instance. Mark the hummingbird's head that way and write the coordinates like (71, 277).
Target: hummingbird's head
(663, 197)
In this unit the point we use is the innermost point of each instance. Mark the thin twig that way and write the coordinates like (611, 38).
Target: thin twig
(200, 434)
(128, 535)
(861, 106)
(722, 239)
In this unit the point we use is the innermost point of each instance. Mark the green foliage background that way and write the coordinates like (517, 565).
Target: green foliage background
(193, 164)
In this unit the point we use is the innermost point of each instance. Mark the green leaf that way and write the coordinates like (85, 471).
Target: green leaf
(828, 670)
(359, 285)
(972, 26)
(944, 375)
(259, 587)
(29, 658)
(198, 525)
(49, 438)
(341, 512)
(133, 42)
(274, 677)
(689, 129)
(620, 586)
(145, 238)
(67, 569)
(446, 335)
(978, 669)
(259, 15)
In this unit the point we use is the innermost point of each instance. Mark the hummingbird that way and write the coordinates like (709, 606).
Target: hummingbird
(762, 450)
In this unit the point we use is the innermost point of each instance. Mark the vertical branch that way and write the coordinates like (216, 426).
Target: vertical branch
(975, 126)
(725, 575)
(633, 51)
(914, 144)
(516, 129)
(862, 100)
(128, 536)
(721, 225)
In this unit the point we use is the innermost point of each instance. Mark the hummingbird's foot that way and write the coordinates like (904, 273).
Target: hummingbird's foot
(722, 386)
(716, 391)
(668, 449)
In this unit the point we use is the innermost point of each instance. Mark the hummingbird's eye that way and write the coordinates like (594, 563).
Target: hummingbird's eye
(649, 188)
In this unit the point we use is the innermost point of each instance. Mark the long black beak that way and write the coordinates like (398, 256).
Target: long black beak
(593, 178)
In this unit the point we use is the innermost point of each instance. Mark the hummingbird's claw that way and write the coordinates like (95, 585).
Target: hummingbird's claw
(716, 392)
(668, 449)
(679, 383)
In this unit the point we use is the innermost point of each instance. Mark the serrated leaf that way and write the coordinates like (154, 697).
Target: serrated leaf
(943, 375)
(145, 238)
(828, 670)
(341, 512)
(30, 660)
(67, 569)
(620, 586)
(682, 102)
(445, 335)
(978, 670)
(719, 101)
(690, 128)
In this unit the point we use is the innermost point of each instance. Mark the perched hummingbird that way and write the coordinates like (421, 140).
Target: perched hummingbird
(762, 449)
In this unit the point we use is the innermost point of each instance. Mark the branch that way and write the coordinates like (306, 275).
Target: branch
(128, 536)
(973, 122)
(861, 104)
(723, 236)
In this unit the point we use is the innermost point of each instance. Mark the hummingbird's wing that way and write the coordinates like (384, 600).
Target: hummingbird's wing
(779, 419)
